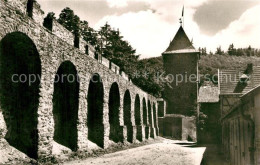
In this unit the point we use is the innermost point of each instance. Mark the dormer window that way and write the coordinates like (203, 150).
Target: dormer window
(244, 78)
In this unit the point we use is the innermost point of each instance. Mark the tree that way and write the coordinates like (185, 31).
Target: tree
(249, 51)
(109, 42)
(117, 50)
(204, 51)
(88, 33)
(231, 50)
(219, 51)
(69, 20)
(240, 52)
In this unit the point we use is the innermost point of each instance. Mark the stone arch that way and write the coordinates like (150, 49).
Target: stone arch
(114, 107)
(29, 8)
(65, 105)
(95, 110)
(154, 117)
(150, 114)
(144, 112)
(150, 117)
(19, 99)
(127, 116)
(137, 110)
(145, 119)
(138, 118)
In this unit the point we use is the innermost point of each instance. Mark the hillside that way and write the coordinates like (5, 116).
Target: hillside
(208, 64)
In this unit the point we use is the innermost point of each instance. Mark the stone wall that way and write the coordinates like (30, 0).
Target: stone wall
(178, 127)
(54, 48)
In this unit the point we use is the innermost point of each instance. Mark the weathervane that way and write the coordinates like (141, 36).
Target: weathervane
(182, 17)
(180, 21)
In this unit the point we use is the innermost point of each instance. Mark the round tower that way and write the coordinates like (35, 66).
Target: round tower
(181, 66)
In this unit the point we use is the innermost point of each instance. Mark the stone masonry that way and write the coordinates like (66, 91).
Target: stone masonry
(56, 47)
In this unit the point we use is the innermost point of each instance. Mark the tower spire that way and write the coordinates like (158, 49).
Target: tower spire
(182, 15)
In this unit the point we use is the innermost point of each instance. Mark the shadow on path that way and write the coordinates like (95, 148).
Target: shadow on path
(212, 155)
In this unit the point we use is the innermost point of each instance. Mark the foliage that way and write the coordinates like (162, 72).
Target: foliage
(113, 47)
(231, 50)
(149, 71)
(109, 42)
(211, 63)
(219, 51)
(203, 51)
(88, 33)
(144, 73)
(69, 20)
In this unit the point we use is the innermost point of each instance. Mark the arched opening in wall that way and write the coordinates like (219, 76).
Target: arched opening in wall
(95, 110)
(65, 105)
(144, 112)
(29, 8)
(150, 117)
(127, 116)
(150, 114)
(138, 118)
(137, 110)
(145, 119)
(19, 97)
(114, 105)
(154, 117)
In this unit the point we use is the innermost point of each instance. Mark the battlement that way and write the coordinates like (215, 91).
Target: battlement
(32, 9)
(99, 90)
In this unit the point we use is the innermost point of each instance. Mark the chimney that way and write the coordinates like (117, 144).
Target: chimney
(249, 69)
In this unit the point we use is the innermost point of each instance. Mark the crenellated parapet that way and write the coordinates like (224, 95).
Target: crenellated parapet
(52, 52)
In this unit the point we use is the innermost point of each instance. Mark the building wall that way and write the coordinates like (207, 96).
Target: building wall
(181, 96)
(211, 132)
(240, 131)
(227, 102)
(236, 137)
(54, 50)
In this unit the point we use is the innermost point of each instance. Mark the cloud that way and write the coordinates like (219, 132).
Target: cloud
(117, 3)
(149, 25)
(150, 31)
(144, 30)
(214, 16)
(242, 32)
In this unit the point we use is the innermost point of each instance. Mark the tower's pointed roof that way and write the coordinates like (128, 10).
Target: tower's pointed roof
(180, 43)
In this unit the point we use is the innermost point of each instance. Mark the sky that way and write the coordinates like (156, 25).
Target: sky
(150, 25)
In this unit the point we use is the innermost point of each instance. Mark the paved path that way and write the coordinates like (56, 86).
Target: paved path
(166, 153)
(213, 155)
